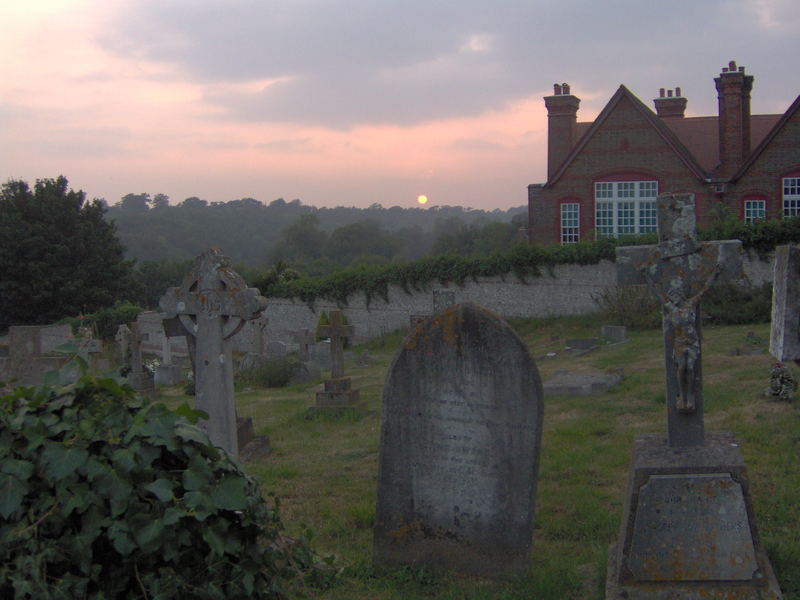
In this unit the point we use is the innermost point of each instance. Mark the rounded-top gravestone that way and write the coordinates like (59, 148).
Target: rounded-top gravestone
(460, 437)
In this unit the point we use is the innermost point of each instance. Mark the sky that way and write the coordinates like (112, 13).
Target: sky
(350, 102)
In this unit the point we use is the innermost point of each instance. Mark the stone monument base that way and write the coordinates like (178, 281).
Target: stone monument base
(338, 393)
(688, 530)
(169, 375)
(251, 446)
(142, 382)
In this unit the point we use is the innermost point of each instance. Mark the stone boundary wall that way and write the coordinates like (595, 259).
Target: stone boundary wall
(569, 292)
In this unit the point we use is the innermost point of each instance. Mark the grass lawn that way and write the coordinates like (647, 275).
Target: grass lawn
(324, 471)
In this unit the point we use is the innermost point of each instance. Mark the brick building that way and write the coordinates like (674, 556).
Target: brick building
(603, 177)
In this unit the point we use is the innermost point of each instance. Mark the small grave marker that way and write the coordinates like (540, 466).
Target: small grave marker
(460, 436)
(212, 303)
(784, 340)
(337, 392)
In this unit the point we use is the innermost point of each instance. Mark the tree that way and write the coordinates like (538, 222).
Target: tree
(58, 255)
(160, 201)
(135, 202)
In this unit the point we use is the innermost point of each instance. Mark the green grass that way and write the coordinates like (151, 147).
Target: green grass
(324, 470)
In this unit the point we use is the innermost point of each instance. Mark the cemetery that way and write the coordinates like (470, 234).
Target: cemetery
(460, 475)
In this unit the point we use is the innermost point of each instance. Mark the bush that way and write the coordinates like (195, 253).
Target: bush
(633, 306)
(105, 322)
(106, 495)
(730, 304)
(273, 372)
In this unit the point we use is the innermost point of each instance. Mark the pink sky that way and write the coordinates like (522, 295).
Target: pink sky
(84, 93)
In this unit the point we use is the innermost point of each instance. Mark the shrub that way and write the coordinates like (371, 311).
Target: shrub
(635, 307)
(106, 495)
(730, 304)
(105, 322)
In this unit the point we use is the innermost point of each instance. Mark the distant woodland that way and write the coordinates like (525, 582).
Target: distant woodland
(310, 239)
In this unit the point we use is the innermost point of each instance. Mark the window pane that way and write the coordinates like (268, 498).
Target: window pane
(791, 196)
(604, 218)
(626, 217)
(647, 217)
(570, 223)
(754, 210)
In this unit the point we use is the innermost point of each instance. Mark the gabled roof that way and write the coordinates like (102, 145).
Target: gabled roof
(656, 122)
(795, 107)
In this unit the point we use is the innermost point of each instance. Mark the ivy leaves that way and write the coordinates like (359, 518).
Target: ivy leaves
(103, 494)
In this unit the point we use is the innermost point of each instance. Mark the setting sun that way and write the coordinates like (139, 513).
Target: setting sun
(422, 199)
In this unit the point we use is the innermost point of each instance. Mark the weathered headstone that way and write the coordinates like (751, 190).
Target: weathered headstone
(460, 436)
(614, 333)
(688, 530)
(32, 351)
(442, 299)
(337, 391)
(167, 373)
(568, 383)
(212, 303)
(303, 338)
(139, 378)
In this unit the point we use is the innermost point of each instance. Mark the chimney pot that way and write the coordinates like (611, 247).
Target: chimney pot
(669, 93)
(732, 65)
(741, 69)
(677, 91)
(661, 93)
(556, 89)
(565, 88)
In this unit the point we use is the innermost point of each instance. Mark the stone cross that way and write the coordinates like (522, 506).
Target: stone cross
(123, 338)
(338, 333)
(213, 304)
(303, 339)
(784, 339)
(680, 270)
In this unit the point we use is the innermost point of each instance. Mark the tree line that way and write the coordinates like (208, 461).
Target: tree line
(62, 255)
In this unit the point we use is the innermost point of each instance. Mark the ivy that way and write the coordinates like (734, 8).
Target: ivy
(523, 261)
(104, 494)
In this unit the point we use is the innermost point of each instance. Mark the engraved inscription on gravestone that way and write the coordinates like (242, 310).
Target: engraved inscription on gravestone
(692, 528)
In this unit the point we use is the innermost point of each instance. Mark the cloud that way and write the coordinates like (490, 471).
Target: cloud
(348, 62)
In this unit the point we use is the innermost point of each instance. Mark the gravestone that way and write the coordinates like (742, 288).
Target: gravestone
(303, 338)
(123, 339)
(460, 435)
(167, 373)
(337, 391)
(442, 299)
(276, 349)
(569, 383)
(614, 333)
(32, 352)
(688, 529)
(139, 378)
(212, 304)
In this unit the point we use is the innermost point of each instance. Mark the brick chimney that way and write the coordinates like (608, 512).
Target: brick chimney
(562, 115)
(733, 91)
(668, 105)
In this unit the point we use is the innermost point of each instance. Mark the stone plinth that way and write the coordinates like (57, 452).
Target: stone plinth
(688, 530)
(169, 375)
(337, 392)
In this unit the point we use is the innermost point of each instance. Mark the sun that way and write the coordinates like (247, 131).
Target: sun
(422, 199)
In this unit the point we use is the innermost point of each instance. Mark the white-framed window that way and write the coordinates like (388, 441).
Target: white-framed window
(754, 210)
(791, 196)
(624, 207)
(570, 223)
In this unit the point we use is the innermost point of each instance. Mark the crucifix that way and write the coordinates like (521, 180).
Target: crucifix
(338, 332)
(679, 270)
(212, 303)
